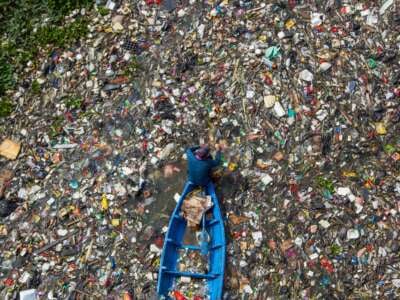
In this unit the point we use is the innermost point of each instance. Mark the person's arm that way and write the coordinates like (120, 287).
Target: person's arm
(217, 160)
(190, 151)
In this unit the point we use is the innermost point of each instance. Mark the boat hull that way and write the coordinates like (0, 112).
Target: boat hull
(173, 243)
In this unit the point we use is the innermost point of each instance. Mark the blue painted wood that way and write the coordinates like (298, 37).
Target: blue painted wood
(173, 242)
(193, 275)
(191, 247)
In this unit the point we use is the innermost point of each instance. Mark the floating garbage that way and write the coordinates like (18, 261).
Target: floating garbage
(96, 117)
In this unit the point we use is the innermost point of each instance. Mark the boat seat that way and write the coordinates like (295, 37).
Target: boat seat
(212, 222)
(216, 246)
(192, 275)
(191, 247)
(183, 246)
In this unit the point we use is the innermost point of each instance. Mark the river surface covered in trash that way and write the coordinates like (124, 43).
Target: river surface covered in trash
(304, 94)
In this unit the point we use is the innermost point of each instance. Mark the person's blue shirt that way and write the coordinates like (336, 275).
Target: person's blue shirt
(199, 171)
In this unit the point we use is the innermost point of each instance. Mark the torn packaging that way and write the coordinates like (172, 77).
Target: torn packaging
(193, 208)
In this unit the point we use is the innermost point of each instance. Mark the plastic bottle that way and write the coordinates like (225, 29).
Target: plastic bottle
(128, 296)
(113, 263)
(179, 296)
(104, 202)
(291, 115)
(206, 292)
(267, 79)
(280, 112)
(74, 184)
(325, 280)
(292, 4)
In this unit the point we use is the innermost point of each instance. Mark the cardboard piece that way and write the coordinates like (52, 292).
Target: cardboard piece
(10, 149)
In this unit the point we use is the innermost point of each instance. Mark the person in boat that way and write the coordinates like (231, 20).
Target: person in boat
(201, 163)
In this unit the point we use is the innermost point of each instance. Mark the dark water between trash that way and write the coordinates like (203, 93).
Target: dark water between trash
(164, 190)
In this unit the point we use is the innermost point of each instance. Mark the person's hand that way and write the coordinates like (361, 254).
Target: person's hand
(221, 146)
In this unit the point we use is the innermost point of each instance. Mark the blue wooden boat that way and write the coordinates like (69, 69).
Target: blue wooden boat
(215, 248)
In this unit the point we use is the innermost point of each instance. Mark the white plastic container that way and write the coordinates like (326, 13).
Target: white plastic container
(280, 112)
(28, 295)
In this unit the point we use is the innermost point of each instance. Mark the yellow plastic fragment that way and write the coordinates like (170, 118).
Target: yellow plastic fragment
(104, 202)
(380, 128)
(349, 174)
(232, 166)
(290, 23)
(262, 38)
